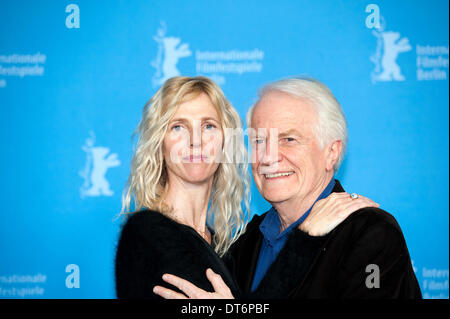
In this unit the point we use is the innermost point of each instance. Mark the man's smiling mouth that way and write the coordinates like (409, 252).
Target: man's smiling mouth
(276, 175)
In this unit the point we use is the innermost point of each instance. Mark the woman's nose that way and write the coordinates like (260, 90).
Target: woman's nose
(196, 135)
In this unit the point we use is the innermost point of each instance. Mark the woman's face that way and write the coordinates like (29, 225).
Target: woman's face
(193, 143)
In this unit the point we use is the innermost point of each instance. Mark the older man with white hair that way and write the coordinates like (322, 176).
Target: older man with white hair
(299, 136)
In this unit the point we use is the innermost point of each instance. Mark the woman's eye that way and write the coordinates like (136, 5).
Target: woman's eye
(176, 128)
(210, 126)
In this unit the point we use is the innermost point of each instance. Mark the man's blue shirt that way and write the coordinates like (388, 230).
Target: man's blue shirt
(273, 241)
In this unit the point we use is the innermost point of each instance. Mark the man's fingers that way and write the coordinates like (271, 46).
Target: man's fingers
(185, 286)
(167, 293)
(217, 282)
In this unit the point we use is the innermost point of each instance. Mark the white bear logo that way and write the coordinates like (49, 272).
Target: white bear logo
(169, 52)
(97, 163)
(389, 46)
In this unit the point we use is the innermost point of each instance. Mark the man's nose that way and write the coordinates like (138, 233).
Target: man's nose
(269, 154)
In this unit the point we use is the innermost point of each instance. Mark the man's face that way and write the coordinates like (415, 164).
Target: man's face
(288, 167)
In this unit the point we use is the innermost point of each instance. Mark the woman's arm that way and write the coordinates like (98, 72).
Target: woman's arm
(134, 264)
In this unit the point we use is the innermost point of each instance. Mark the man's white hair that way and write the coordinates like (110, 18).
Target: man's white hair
(331, 125)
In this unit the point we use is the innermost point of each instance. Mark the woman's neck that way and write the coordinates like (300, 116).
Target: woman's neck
(189, 203)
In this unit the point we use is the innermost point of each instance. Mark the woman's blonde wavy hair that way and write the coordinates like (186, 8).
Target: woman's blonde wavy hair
(230, 194)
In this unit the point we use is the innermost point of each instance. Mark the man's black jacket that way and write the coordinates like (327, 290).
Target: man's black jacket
(364, 257)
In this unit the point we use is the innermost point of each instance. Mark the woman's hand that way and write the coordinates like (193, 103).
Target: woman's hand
(221, 290)
(329, 212)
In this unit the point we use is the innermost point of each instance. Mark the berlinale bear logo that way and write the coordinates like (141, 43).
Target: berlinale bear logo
(389, 46)
(169, 52)
(97, 163)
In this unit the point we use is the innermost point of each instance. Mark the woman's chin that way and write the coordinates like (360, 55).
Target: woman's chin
(198, 177)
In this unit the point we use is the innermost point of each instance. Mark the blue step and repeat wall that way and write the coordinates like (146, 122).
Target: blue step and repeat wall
(74, 76)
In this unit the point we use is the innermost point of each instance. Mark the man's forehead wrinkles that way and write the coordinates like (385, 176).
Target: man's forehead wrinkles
(274, 120)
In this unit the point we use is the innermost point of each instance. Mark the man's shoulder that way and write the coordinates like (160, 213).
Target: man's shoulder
(371, 222)
(368, 216)
(372, 215)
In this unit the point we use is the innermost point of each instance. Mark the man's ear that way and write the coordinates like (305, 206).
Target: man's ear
(333, 152)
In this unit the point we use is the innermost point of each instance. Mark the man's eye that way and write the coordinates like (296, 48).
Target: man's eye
(289, 139)
(259, 141)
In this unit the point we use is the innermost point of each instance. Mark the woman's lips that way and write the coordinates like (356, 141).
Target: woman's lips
(195, 158)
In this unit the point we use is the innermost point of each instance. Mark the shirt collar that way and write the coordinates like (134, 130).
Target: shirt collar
(270, 226)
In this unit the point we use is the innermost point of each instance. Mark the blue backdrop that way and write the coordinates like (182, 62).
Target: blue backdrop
(74, 76)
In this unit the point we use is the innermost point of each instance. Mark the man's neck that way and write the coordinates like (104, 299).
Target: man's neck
(291, 211)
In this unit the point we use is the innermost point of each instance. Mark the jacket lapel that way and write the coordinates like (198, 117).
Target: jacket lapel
(336, 189)
(249, 254)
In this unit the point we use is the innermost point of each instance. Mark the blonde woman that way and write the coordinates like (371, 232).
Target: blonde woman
(188, 181)
(189, 184)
